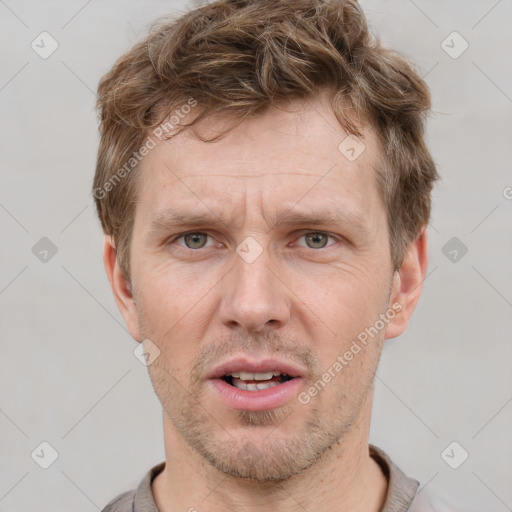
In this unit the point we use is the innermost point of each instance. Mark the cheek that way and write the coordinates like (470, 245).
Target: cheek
(169, 294)
(345, 297)
(343, 318)
(171, 314)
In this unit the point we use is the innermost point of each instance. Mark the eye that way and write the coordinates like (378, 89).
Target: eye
(316, 239)
(196, 240)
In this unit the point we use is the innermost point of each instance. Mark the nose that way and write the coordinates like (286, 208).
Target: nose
(254, 298)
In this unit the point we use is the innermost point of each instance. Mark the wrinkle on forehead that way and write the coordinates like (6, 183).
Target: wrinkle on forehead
(300, 167)
(252, 175)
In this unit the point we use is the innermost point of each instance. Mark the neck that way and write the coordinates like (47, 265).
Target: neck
(345, 479)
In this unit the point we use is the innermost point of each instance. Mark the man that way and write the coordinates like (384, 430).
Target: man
(264, 188)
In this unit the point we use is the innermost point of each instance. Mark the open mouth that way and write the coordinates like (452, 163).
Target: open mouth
(255, 381)
(247, 385)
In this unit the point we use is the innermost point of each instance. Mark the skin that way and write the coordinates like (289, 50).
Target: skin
(303, 300)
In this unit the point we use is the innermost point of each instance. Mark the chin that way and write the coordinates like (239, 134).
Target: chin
(262, 462)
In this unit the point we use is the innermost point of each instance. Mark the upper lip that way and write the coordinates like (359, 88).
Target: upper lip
(241, 364)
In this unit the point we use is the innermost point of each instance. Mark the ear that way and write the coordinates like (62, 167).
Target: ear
(407, 285)
(121, 288)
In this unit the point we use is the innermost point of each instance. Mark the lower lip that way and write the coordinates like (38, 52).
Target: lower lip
(260, 400)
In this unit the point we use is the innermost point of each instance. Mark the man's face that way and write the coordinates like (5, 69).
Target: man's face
(265, 286)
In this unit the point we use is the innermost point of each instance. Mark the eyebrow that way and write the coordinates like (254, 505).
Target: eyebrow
(178, 218)
(321, 217)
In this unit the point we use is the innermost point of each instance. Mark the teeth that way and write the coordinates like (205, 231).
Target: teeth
(265, 385)
(240, 384)
(254, 376)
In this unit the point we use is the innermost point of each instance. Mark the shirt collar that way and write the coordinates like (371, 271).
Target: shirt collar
(401, 488)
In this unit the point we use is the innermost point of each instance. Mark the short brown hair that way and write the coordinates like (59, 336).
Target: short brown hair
(239, 57)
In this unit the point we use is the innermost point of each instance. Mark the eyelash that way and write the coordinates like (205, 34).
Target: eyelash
(203, 233)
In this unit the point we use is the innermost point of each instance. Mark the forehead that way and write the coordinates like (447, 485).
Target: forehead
(281, 157)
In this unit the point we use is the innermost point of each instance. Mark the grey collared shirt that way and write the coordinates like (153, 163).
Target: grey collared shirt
(401, 489)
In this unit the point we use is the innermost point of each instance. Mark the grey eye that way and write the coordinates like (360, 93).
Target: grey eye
(195, 240)
(316, 240)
